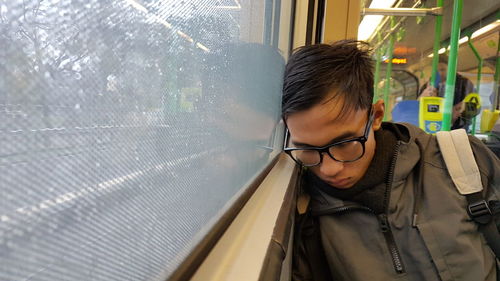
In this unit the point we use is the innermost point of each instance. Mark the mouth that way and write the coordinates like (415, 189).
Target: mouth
(341, 183)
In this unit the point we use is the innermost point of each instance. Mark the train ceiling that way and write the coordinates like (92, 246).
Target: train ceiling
(417, 39)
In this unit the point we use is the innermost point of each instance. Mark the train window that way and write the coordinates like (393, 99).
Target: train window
(126, 129)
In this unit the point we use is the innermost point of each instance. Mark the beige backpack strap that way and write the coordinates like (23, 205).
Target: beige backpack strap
(457, 154)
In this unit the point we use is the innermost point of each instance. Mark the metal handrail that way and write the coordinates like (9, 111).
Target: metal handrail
(405, 12)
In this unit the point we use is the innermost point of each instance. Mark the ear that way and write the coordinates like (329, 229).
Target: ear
(378, 112)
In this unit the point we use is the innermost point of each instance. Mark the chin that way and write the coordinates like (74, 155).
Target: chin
(344, 187)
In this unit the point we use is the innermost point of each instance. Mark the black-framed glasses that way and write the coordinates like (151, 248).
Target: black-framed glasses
(348, 150)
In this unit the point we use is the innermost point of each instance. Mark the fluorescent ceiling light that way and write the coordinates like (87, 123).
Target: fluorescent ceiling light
(480, 32)
(370, 23)
(164, 22)
(185, 36)
(485, 29)
(235, 7)
(137, 6)
(477, 33)
(203, 47)
(367, 26)
(168, 25)
(463, 40)
(441, 51)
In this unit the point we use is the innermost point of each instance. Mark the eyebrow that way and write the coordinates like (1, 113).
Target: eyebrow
(344, 136)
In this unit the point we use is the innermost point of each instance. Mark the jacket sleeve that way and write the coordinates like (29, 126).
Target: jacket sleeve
(489, 167)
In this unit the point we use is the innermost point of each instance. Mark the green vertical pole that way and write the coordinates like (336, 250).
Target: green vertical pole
(478, 84)
(376, 78)
(388, 70)
(451, 75)
(377, 74)
(496, 79)
(437, 44)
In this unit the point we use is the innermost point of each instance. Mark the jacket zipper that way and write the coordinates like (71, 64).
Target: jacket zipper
(384, 226)
(384, 222)
(391, 244)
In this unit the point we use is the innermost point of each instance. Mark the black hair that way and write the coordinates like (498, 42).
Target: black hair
(443, 59)
(314, 71)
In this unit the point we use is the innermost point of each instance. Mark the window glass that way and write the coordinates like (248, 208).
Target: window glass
(126, 129)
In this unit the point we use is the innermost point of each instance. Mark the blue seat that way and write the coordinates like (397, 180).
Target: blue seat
(406, 111)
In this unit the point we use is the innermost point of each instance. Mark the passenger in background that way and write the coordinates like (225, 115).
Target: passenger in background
(463, 87)
(376, 200)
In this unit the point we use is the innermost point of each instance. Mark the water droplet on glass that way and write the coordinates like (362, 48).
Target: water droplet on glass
(64, 63)
(77, 67)
(77, 106)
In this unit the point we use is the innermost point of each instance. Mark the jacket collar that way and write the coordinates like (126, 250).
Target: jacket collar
(408, 155)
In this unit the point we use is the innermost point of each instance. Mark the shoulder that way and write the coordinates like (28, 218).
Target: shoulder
(463, 78)
(485, 158)
(489, 168)
(464, 82)
(405, 132)
(487, 161)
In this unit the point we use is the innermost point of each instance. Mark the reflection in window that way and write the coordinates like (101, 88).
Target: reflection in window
(126, 127)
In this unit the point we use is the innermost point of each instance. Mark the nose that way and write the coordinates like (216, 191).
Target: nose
(330, 167)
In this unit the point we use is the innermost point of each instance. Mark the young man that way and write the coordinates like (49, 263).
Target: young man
(378, 202)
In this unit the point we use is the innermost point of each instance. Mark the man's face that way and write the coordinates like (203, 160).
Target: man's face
(442, 69)
(322, 125)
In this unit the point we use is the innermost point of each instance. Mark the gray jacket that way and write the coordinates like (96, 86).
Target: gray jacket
(426, 233)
